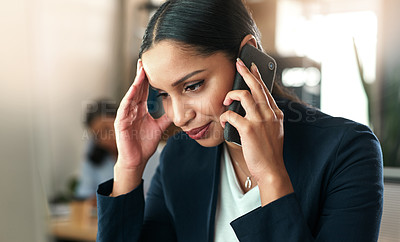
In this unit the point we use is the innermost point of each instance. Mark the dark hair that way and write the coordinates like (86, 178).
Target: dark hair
(207, 26)
(100, 108)
(96, 155)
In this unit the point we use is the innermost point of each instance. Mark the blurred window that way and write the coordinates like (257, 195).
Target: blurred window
(311, 30)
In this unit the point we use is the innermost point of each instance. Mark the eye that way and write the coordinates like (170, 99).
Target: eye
(162, 94)
(194, 87)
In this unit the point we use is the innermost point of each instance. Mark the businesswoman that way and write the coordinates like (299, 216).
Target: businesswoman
(300, 175)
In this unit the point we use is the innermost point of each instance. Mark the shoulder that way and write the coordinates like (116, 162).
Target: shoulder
(338, 153)
(308, 122)
(317, 140)
(300, 114)
(321, 144)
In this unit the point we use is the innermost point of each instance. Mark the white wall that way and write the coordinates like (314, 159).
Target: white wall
(74, 60)
(22, 202)
(55, 56)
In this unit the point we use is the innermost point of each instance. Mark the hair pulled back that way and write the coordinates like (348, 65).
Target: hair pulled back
(206, 26)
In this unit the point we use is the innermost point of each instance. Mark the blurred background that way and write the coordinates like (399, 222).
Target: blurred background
(57, 57)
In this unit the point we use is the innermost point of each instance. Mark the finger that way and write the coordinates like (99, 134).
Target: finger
(139, 79)
(277, 111)
(271, 100)
(234, 119)
(144, 89)
(259, 90)
(256, 73)
(138, 65)
(139, 90)
(251, 81)
(246, 100)
(134, 95)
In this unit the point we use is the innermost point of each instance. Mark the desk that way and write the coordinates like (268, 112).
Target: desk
(80, 225)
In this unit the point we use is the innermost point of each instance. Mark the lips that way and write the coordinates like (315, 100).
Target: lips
(198, 133)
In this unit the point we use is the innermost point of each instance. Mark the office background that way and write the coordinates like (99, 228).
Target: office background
(58, 56)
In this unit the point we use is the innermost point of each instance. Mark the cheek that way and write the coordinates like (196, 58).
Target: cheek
(215, 106)
(206, 105)
(212, 104)
(217, 98)
(209, 103)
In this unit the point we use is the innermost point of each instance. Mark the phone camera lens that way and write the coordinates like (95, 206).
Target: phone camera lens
(271, 66)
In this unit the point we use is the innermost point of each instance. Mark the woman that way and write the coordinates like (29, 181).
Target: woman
(313, 177)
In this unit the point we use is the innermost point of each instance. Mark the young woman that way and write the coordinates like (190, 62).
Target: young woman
(313, 177)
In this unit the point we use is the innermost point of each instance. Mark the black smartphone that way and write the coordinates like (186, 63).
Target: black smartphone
(267, 68)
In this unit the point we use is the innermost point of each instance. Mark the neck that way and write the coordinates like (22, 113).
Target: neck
(236, 154)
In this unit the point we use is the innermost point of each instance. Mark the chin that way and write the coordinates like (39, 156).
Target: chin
(214, 138)
(209, 142)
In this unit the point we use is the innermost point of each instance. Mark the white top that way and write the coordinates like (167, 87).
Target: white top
(232, 203)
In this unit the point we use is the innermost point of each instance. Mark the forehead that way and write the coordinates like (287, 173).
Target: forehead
(166, 62)
(164, 54)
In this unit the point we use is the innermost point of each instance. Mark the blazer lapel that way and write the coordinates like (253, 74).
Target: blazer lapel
(191, 189)
(214, 193)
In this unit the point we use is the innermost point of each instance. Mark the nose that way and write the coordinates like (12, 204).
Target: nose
(181, 112)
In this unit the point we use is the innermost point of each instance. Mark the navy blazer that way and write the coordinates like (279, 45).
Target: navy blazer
(335, 166)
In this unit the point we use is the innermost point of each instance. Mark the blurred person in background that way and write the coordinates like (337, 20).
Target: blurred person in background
(101, 153)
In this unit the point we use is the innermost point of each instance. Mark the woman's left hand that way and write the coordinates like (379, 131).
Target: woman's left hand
(261, 134)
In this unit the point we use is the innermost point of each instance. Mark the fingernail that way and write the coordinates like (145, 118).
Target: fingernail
(226, 102)
(222, 124)
(240, 62)
(254, 66)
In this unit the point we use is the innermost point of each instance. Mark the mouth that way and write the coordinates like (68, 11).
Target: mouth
(198, 133)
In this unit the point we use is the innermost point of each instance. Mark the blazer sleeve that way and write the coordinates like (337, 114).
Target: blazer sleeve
(352, 206)
(126, 218)
(119, 218)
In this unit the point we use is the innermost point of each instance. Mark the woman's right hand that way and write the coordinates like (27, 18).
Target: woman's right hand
(137, 135)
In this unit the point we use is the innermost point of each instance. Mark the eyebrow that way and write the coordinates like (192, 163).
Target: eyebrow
(180, 80)
(186, 77)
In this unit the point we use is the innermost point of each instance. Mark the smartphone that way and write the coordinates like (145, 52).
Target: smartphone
(267, 68)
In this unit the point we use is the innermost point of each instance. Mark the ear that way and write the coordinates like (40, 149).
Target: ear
(248, 39)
